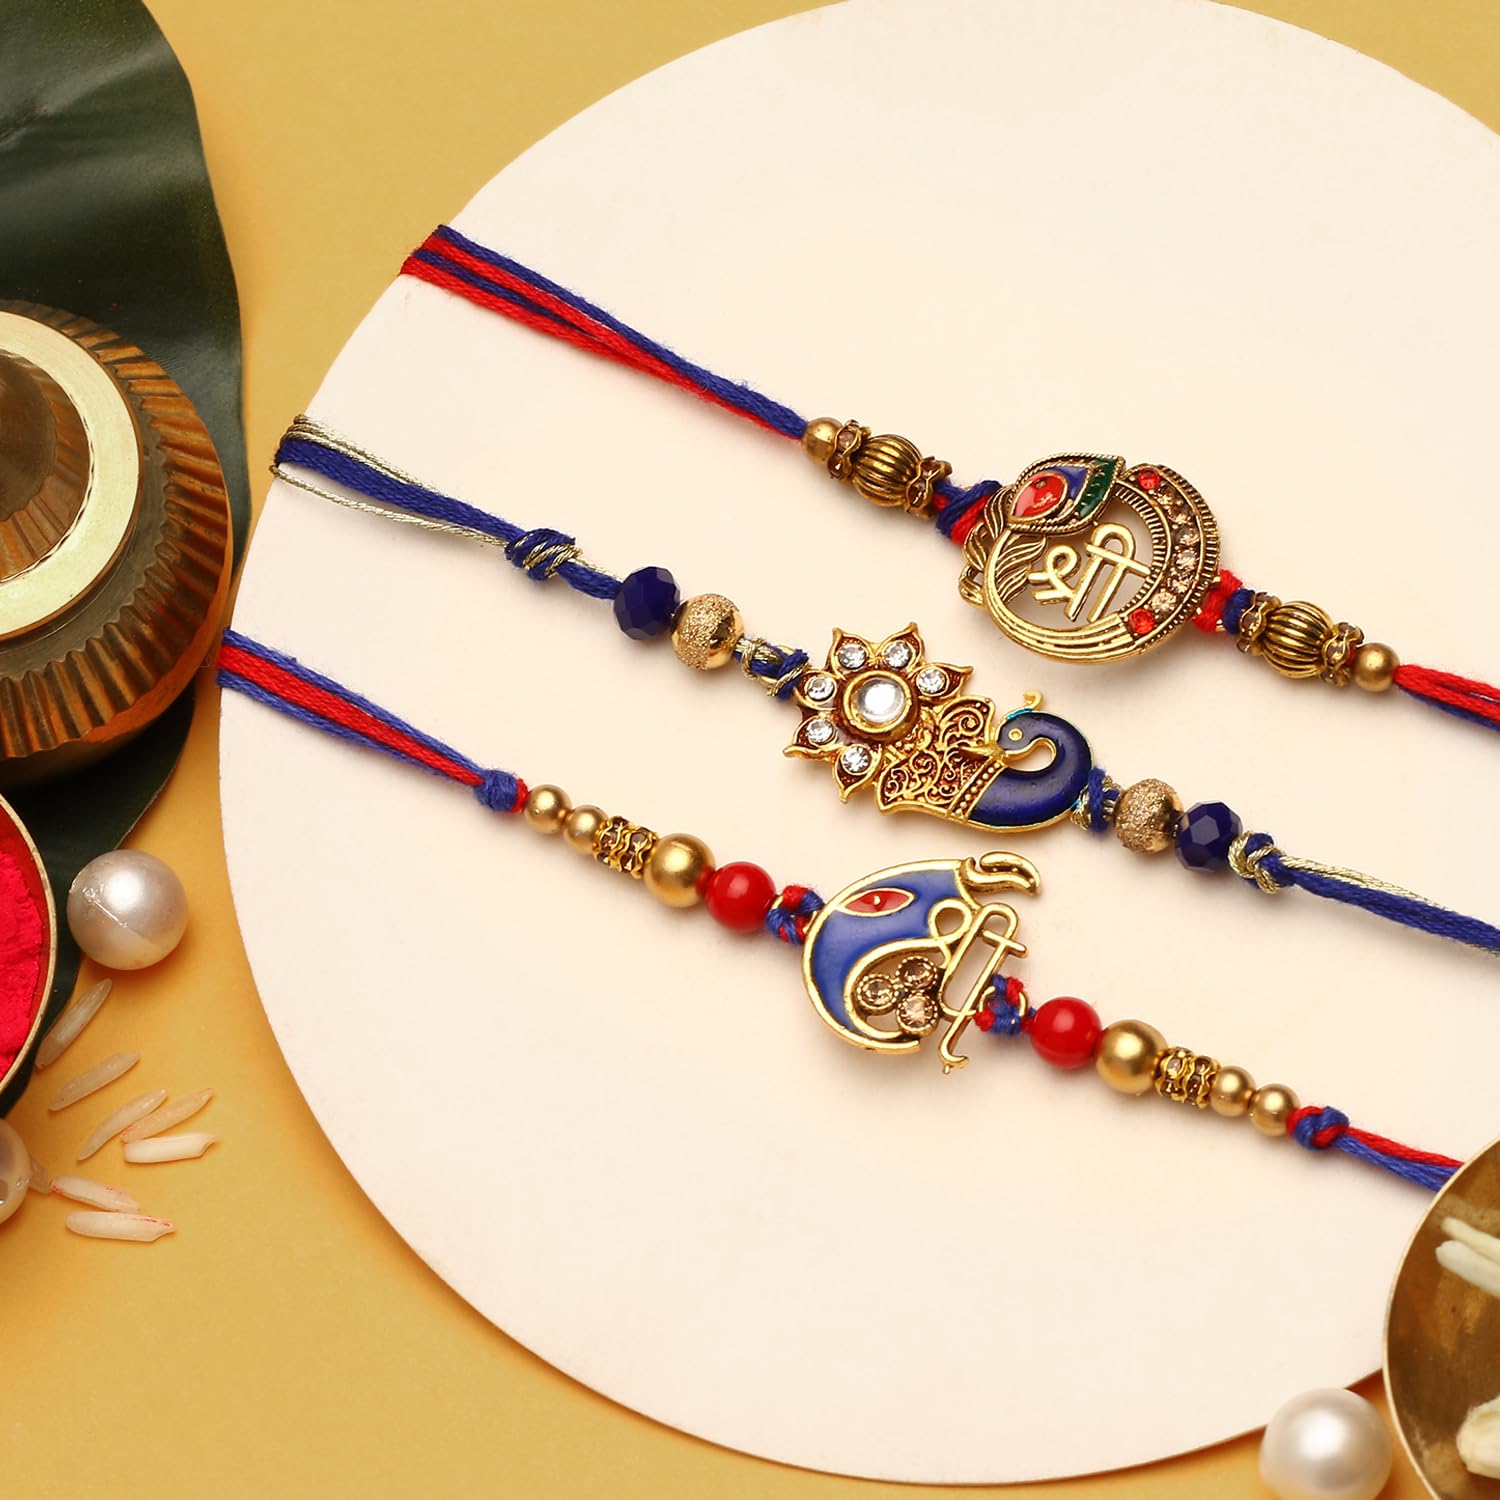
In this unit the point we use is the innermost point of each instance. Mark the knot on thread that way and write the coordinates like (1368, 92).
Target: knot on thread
(540, 552)
(1254, 856)
(962, 507)
(1316, 1127)
(1096, 805)
(500, 791)
(790, 913)
(777, 668)
(1006, 1008)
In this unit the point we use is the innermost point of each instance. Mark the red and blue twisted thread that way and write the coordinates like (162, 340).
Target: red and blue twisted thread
(1314, 1127)
(458, 264)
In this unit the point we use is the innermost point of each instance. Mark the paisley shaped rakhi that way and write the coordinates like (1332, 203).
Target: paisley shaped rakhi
(1085, 557)
(913, 952)
(880, 713)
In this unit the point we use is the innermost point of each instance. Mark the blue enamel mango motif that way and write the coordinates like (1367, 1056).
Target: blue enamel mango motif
(914, 949)
(884, 716)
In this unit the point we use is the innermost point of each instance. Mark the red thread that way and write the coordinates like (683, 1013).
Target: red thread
(326, 705)
(1211, 612)
(1465, 694)
(1326, 1137)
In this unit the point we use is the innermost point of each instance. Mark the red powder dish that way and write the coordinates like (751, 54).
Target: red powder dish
(28, 940)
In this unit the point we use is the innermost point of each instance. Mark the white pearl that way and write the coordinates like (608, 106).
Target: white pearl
(127, 909)
(1326, 1445)
(15, 1171)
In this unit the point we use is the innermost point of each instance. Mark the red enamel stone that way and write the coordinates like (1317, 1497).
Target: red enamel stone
(1148, 479)
(1141, 621)
(1038, 497)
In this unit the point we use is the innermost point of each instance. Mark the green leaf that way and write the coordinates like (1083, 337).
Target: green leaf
(106, 210)
(105, 203)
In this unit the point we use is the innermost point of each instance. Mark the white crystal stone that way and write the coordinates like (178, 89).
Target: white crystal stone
(821, 688)
(932, 680)
(881, 700)
(1164, 602)
(856, 759)
(852, 656)
(898, 655)
(1184, 561)
(820, 731)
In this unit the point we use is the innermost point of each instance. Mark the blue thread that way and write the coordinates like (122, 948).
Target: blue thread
(1305, 1132)
(958, 502)
(496, 790)
(742, 397)
(307, 453)
(1098, 800)
(1235, 606)
(784, 923)
(1009, 1022)
(533, 551)
(787, 666)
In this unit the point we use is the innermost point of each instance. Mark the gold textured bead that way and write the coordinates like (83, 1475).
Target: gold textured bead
(1128, 1054)
(581, 826)
(1375, 667)
(1147, 815)
(547, 809)
(1294, 637)
(624, 846)
(1271, 1107)
(1231, 1093)
(706, 631)
(885, 467)
(818, 436)
(676, 868)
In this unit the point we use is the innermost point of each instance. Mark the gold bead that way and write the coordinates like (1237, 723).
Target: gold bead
(1294, 638)
(1231, 1093)
(624, 846)
(1128, 1054)
(885, 467)
(1147, 815)
(818, 436)
(676, 869)
(1185, 1076)
(706, 631)
(580, 827)
(1375, 667)
(1271, 1107)
(547, 809)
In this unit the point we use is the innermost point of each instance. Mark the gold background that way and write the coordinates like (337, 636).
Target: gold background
(285, 1341)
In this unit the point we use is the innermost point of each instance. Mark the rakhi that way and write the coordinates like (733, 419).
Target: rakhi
(881, 714)
(880, 960)
(1063, 541)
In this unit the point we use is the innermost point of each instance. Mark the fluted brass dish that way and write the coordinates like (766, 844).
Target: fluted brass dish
(1442, 1338)
(114, 541)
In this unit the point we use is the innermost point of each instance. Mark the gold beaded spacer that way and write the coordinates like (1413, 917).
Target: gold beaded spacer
(1271, 1107)
(1375, 667)
(623, 846)
(1185, 1077)
(888, 470)
(1301, 640)
(1128, 1054)
(580, 827)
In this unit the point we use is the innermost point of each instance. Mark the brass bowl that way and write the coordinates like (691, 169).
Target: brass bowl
(1442, 1338)
(114, 541)
(15, 843)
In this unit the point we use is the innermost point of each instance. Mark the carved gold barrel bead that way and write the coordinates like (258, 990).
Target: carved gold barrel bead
(1300, 639)
(887, 469)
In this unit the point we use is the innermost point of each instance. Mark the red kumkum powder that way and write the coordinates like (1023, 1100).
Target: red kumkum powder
(25, 941)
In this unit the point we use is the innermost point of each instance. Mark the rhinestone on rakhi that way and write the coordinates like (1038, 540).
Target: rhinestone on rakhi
(821, 732)
(898, 655)
(932, 681)
(820, 687)
(852, 656)
(856, 759)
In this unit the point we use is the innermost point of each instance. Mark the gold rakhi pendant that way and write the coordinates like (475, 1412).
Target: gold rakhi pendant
(1086, 559)
(881, 960)
(885, 717)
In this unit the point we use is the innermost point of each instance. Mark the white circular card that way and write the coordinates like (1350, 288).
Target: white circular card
(1167, 229)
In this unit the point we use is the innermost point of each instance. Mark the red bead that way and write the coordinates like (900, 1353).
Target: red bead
(1065, 1032)
(1141, 621)
(1148, 479)
(738, 896)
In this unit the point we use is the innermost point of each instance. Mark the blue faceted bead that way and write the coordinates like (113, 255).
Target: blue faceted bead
(1205, 834)
(647, 603)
